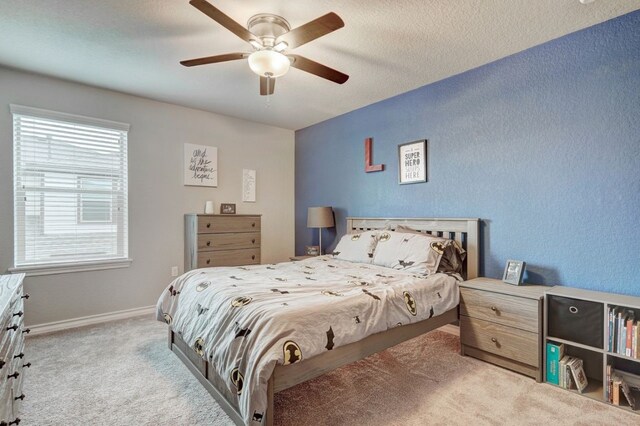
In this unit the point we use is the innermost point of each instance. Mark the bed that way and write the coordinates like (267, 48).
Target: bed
(389, 309)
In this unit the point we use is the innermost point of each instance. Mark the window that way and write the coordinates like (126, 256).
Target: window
(70, 188)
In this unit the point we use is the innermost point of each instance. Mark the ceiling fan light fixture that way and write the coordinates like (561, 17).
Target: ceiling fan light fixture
(269, 63)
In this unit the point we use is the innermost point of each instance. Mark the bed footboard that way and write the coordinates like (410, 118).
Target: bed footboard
(286, 376)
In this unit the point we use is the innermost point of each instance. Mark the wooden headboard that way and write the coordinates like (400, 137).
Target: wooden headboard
(463, 231)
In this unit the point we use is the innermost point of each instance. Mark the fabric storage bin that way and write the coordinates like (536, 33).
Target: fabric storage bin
(576, 320)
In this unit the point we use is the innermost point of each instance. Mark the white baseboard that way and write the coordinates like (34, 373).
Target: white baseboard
(451, 329)
(51, 327)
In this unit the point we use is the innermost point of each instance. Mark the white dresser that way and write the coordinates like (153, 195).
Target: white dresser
(12, 358)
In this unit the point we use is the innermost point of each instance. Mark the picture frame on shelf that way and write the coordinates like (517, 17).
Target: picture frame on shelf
(227, 208)
(412, 162)
(312, 250)
(514, 271)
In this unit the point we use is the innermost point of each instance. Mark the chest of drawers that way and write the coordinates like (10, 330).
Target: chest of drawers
(12, 359)
(502, 324)
(221, 240)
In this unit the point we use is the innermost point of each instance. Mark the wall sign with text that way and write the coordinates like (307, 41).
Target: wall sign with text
(412, 162)
(200, 165)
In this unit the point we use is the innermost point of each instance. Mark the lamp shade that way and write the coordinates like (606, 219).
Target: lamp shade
(320, 217)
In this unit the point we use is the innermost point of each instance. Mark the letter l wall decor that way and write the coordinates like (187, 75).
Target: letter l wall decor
(368, 158)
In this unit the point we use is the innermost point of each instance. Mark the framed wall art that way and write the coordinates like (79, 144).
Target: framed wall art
(412, 162)
(200, 165)
(248, 186)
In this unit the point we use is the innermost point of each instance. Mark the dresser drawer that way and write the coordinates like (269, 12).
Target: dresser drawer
(243, 240)
(512, 311)
(228, 258)
(224, 224)
(508, 342)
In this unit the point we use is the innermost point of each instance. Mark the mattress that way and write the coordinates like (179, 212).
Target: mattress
(245, 320)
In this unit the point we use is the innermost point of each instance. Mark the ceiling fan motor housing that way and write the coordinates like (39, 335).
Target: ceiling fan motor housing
(268, 27)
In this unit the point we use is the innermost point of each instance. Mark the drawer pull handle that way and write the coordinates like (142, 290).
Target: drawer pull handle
(253, 257)
(26, 296)
(15, 422)
(18, 314)
(20, 355)
(208, 261)
(493, 308)
(208, 225)
(253, 225)
(573, 309)
(208, 243)
(27, 365)
(26, 331)
(21, 397)
(253, 241)
(13, 327)
(2, 363)
(14, 375)
(494, 340)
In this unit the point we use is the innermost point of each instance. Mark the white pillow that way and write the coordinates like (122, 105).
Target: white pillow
(357, 247)
(417, 253)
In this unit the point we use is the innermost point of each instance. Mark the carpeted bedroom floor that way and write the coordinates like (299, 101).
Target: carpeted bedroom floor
(122, 373)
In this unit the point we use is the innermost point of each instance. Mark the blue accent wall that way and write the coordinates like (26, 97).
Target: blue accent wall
(543, 145)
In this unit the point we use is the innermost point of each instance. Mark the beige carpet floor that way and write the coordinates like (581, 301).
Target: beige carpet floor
(122, 373)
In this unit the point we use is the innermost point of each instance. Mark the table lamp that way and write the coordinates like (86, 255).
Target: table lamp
(320, 217)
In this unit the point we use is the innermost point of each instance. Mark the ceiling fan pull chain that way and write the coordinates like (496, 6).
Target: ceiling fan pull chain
(268, 90)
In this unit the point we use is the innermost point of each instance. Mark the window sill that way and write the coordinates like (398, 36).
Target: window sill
(65, 268)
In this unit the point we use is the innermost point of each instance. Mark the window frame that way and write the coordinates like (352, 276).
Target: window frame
(47, 268)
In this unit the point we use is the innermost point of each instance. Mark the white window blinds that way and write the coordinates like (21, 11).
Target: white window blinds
(70, 188)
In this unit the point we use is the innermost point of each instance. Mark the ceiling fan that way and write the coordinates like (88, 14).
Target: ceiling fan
(270, 36)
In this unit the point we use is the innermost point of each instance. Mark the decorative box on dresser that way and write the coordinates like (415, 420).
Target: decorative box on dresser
(221, 240)
(502, 324)
(12, 359)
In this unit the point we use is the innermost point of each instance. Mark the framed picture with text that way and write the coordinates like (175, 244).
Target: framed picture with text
(412, 162)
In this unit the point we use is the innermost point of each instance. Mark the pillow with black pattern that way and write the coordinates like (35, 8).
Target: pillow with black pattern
(452, 254)
(357, 247)
(411, 252)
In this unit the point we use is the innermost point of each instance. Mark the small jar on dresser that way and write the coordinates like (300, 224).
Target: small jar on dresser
(12, 359)
(501, 323)
(221, 240)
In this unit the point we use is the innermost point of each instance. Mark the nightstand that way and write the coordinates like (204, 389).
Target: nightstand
(297, 258)
(502, 324)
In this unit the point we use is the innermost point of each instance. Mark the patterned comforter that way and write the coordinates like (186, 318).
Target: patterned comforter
(245, 320)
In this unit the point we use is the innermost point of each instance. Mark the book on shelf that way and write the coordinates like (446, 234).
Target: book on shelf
(578, 374)
(629, 330)
(607, 385)
(565, 380)
(555, 352)
(626, 391)
(615, 399)
(624, 332)
(622, 386)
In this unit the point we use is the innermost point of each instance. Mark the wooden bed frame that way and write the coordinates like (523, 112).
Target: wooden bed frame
(464, 231)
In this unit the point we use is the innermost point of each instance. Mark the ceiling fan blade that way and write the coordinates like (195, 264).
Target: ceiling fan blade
(311, 30)
(214, 59)
(222, 19)
(267, 85)
(320, 70)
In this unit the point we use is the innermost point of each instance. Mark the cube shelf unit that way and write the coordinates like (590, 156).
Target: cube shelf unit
(596, 357)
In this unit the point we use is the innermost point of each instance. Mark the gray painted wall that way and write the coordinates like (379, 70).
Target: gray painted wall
(157, 198)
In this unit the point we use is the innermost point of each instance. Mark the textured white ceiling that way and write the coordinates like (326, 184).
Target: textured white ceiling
(387, 47)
